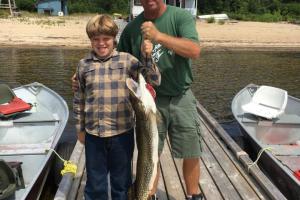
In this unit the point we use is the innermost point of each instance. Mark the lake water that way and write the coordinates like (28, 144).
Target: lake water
(219, 73)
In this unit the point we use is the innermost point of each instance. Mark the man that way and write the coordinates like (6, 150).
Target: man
(173, 33)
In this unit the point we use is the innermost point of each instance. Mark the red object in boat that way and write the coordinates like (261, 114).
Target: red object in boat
(151, 90)
(14, 106)
(297, 174)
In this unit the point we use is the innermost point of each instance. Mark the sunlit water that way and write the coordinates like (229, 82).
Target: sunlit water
(218, 74)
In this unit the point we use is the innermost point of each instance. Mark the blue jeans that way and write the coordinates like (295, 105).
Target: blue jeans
(111, 155)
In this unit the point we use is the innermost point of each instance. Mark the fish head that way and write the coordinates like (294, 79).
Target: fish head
(141, 94)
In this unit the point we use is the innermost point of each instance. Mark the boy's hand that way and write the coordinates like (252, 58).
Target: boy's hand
(81, 137)
(146, 48)
(149, 31)
(74, 83)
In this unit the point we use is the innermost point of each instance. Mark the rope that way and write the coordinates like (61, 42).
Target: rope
(258, 157)
(69, 167)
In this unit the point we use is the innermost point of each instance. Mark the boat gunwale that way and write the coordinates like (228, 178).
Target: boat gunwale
(285, 168)
(56, 135)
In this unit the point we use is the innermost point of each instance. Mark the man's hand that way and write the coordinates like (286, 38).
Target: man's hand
(147, 48)
(180, 45)
(74, 81)
(81, 137)
(149, 31)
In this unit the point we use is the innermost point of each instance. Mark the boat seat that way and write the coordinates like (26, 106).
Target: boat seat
(10, 104)
(268, 102)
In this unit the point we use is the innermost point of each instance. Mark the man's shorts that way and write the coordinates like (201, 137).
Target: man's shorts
(180, 119)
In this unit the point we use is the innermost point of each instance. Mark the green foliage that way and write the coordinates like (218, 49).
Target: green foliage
(4, 13)
(211, 20)
(83, 7)
(221, 22)
(292, 9)
(257, 10)
(98, 6)
(28, 5)
(267, 17)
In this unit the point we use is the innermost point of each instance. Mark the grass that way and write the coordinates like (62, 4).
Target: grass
(211, 20)
(221, 22)
(4, 13)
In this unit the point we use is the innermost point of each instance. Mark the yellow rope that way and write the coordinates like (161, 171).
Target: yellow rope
(69, 167)
(258, 156)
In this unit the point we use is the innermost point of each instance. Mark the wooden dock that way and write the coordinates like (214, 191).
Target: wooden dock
(224, 171)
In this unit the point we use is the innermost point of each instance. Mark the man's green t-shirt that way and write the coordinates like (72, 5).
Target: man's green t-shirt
(176, 73)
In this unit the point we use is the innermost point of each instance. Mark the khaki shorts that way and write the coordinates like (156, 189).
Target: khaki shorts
(181, 121)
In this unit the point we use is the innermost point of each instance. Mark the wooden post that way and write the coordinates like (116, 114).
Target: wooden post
(67, 181)
(9, 4)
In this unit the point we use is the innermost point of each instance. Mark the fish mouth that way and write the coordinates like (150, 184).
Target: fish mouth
(133, 87)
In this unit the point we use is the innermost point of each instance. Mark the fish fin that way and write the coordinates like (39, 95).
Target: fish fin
(133, 86)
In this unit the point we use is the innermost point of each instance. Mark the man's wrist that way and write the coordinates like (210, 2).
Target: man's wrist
(158, 37)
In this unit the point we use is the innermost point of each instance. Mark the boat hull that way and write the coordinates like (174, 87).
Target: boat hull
(280, 135)
(29, 136)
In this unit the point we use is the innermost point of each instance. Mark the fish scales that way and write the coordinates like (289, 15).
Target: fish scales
(146, 138)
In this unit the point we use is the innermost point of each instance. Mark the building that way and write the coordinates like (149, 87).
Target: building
(52, 7)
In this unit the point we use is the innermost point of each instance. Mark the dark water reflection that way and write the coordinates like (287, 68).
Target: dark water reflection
(52, 67)
(218, 75)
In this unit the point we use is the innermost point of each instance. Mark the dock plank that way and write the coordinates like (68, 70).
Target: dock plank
(257, 192)
(222, 182)
(80, 191)
(207, 184)
(239, 183)
(161, 190)
(223, 173)
(171, 179)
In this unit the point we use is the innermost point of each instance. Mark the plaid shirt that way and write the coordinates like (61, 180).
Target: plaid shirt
(101, 104)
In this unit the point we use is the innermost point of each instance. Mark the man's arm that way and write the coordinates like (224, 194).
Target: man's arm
(181, 46)
(74, 83)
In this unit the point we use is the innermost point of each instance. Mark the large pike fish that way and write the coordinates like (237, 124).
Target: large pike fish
(146, 138)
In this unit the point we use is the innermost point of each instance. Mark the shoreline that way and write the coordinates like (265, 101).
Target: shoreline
(209, 47)
(69, 32)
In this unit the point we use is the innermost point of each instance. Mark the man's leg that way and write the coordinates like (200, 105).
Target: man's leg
(191, 174)
(185, 138)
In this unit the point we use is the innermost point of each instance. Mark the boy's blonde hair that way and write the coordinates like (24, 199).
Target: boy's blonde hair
(101, 24)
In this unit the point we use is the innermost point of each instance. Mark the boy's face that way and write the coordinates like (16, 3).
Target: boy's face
(103, 45)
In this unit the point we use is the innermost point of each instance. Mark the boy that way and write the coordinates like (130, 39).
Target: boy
(103, 111)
